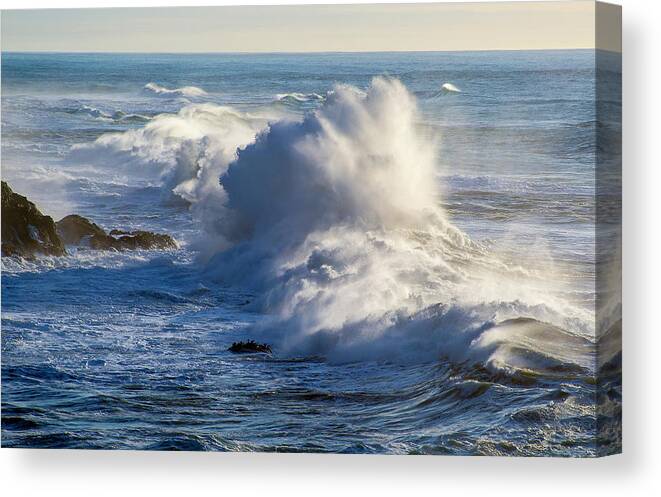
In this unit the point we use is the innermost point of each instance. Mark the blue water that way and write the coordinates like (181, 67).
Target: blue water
(129, 350)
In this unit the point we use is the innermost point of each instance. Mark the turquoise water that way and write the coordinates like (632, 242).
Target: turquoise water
(420, 257)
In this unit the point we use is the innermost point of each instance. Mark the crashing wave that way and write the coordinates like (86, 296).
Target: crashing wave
(186, 152)
(186, 91)
(335, 222)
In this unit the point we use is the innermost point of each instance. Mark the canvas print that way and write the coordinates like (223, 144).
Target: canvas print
(365, 229)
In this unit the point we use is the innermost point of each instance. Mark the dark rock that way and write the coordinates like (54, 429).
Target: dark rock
(250, 347)
(146, 240)
(25, 230)
(77, 230)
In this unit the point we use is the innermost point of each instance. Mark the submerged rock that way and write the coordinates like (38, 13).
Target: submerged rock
(250, 347)
(77, 230)
(25, 230)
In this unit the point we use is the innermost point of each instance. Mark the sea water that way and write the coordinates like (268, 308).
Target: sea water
(412, 233)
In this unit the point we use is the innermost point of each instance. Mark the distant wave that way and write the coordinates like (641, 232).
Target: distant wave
(129, 117)
(450, 88)
(334, 222)
(94, 112)
(117, 116)
(186, 91)
(300, 97)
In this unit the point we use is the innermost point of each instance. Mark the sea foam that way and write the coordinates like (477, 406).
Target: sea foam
(334, 221)
(186, 152)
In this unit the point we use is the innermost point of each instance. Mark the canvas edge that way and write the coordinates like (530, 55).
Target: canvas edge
(608, 228)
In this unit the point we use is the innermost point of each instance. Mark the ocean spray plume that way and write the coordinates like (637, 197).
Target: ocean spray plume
(184, 152)
(335, 222)
(335, 167)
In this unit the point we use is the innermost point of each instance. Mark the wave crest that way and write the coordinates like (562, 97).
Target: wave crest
(300, 98)
(356, 160)
(162, 91)
(334, 220)
(117, 116)
(450, 88)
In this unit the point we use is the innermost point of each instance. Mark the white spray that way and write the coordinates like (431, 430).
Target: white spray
(335, 222)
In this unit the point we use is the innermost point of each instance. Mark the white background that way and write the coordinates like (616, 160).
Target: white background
(636, 472)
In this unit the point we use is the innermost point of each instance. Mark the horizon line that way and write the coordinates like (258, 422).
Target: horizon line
(311, 52)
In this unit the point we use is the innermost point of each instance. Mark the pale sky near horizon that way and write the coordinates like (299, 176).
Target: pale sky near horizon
(310, 28)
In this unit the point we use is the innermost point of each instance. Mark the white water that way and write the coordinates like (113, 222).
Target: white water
(186, 91)
(299, 97)
(335, 220)
(449, 87)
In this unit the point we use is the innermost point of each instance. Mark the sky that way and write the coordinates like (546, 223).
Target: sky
(311, 28)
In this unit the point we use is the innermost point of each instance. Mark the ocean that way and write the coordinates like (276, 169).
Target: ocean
(412, 233)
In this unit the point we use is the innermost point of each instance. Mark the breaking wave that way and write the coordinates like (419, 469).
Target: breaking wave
(94, 112)
(185, 152)
(117, 116)
(335, 222)
(450, 88)
(130, 117)
(186, 91)
(300, 97)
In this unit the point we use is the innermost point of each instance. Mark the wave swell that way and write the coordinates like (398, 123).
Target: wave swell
(300, 98)
(117, 116)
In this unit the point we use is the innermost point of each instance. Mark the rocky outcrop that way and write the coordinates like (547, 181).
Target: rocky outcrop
(25, 230)
(145, 240)
(77, 230)
(250, 347)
